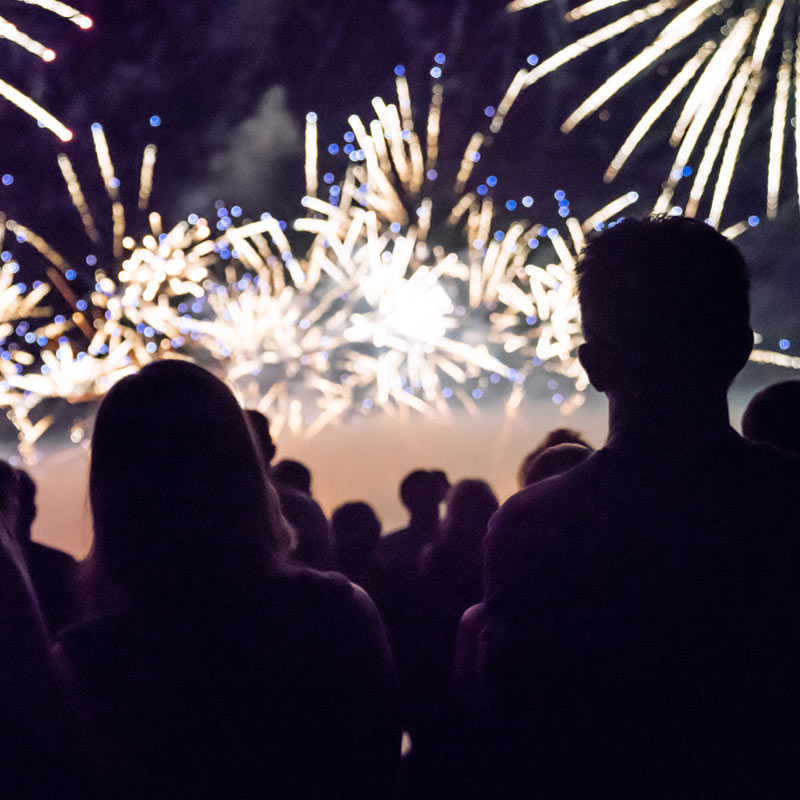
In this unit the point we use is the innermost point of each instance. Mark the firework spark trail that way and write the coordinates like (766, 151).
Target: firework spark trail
(375, 312)
(754, 45)
(372, 312)
(18, 308)
(10, 32)
(412, 286)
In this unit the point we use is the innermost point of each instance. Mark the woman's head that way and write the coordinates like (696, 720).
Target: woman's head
(470, 506)
(179, 497)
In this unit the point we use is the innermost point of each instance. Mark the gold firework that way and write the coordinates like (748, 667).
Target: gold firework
(738, 58)
(10, 32)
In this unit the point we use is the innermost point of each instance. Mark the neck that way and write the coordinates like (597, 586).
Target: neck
(667, 417)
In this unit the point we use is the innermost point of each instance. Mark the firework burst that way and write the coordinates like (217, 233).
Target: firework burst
(381, 297)
(20, 310)
(740, 61)
(10, 32)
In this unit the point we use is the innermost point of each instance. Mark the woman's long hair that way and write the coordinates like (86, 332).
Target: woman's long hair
(180, 502)
(470, 506)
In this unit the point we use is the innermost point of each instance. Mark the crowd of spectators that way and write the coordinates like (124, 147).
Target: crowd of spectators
(626, 625)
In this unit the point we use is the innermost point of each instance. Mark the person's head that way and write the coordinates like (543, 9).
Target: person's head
(259, 427)
(179, 498)
(555, 437)
(554, 461)
(292, 473)
(422, 491)
(356, 531)
(664, 303)
(773, 416)
(470, 505)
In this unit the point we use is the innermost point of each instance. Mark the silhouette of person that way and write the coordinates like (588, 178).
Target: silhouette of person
(312, 542)
(773, 417)
(54, 574)
(451, 580)
(397, 571)
(357, 531)
(421, 492)
(555, 460)
(35, 739)
(211, 668)
(294, 474)
(642, 609)
(555, 437)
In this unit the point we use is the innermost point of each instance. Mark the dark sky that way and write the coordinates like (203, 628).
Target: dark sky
(232, 81)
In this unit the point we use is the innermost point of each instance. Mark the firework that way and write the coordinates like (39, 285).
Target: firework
(10, 32)
(738, 59)
(19, 308)
(383, 296)
(376, 313)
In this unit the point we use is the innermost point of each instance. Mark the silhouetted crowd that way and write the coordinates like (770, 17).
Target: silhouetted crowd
(626, 625)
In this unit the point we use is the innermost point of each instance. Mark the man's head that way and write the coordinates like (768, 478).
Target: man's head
(423, 490)
(663, 300)
(292, 473)
(773, 416)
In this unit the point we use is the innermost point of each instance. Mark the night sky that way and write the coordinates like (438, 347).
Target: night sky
(232, 80)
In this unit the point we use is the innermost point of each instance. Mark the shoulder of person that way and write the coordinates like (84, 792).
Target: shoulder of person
(329, 590)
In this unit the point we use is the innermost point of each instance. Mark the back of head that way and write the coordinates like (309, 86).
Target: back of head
(470, 505)
(773, 416)
(555, 437)
(422, 490)
(554, 461)
(665, 298)
(292, 473)
(356, 531)
(178, 493)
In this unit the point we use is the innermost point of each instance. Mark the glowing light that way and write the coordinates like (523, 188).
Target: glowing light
(725, 75)
(311, 154)
(146, 176)
(13, 34)
(377, 313)
(78, 199)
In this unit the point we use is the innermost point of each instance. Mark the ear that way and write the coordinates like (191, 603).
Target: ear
(592, 362)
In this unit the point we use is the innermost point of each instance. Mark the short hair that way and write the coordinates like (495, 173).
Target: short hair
(421, 488)
(773, 416)
(666, 291)
(292, 473)
(554, 461)
(555, 437)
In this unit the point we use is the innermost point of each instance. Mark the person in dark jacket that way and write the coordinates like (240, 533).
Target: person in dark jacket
(210, 666)
(642, 611)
